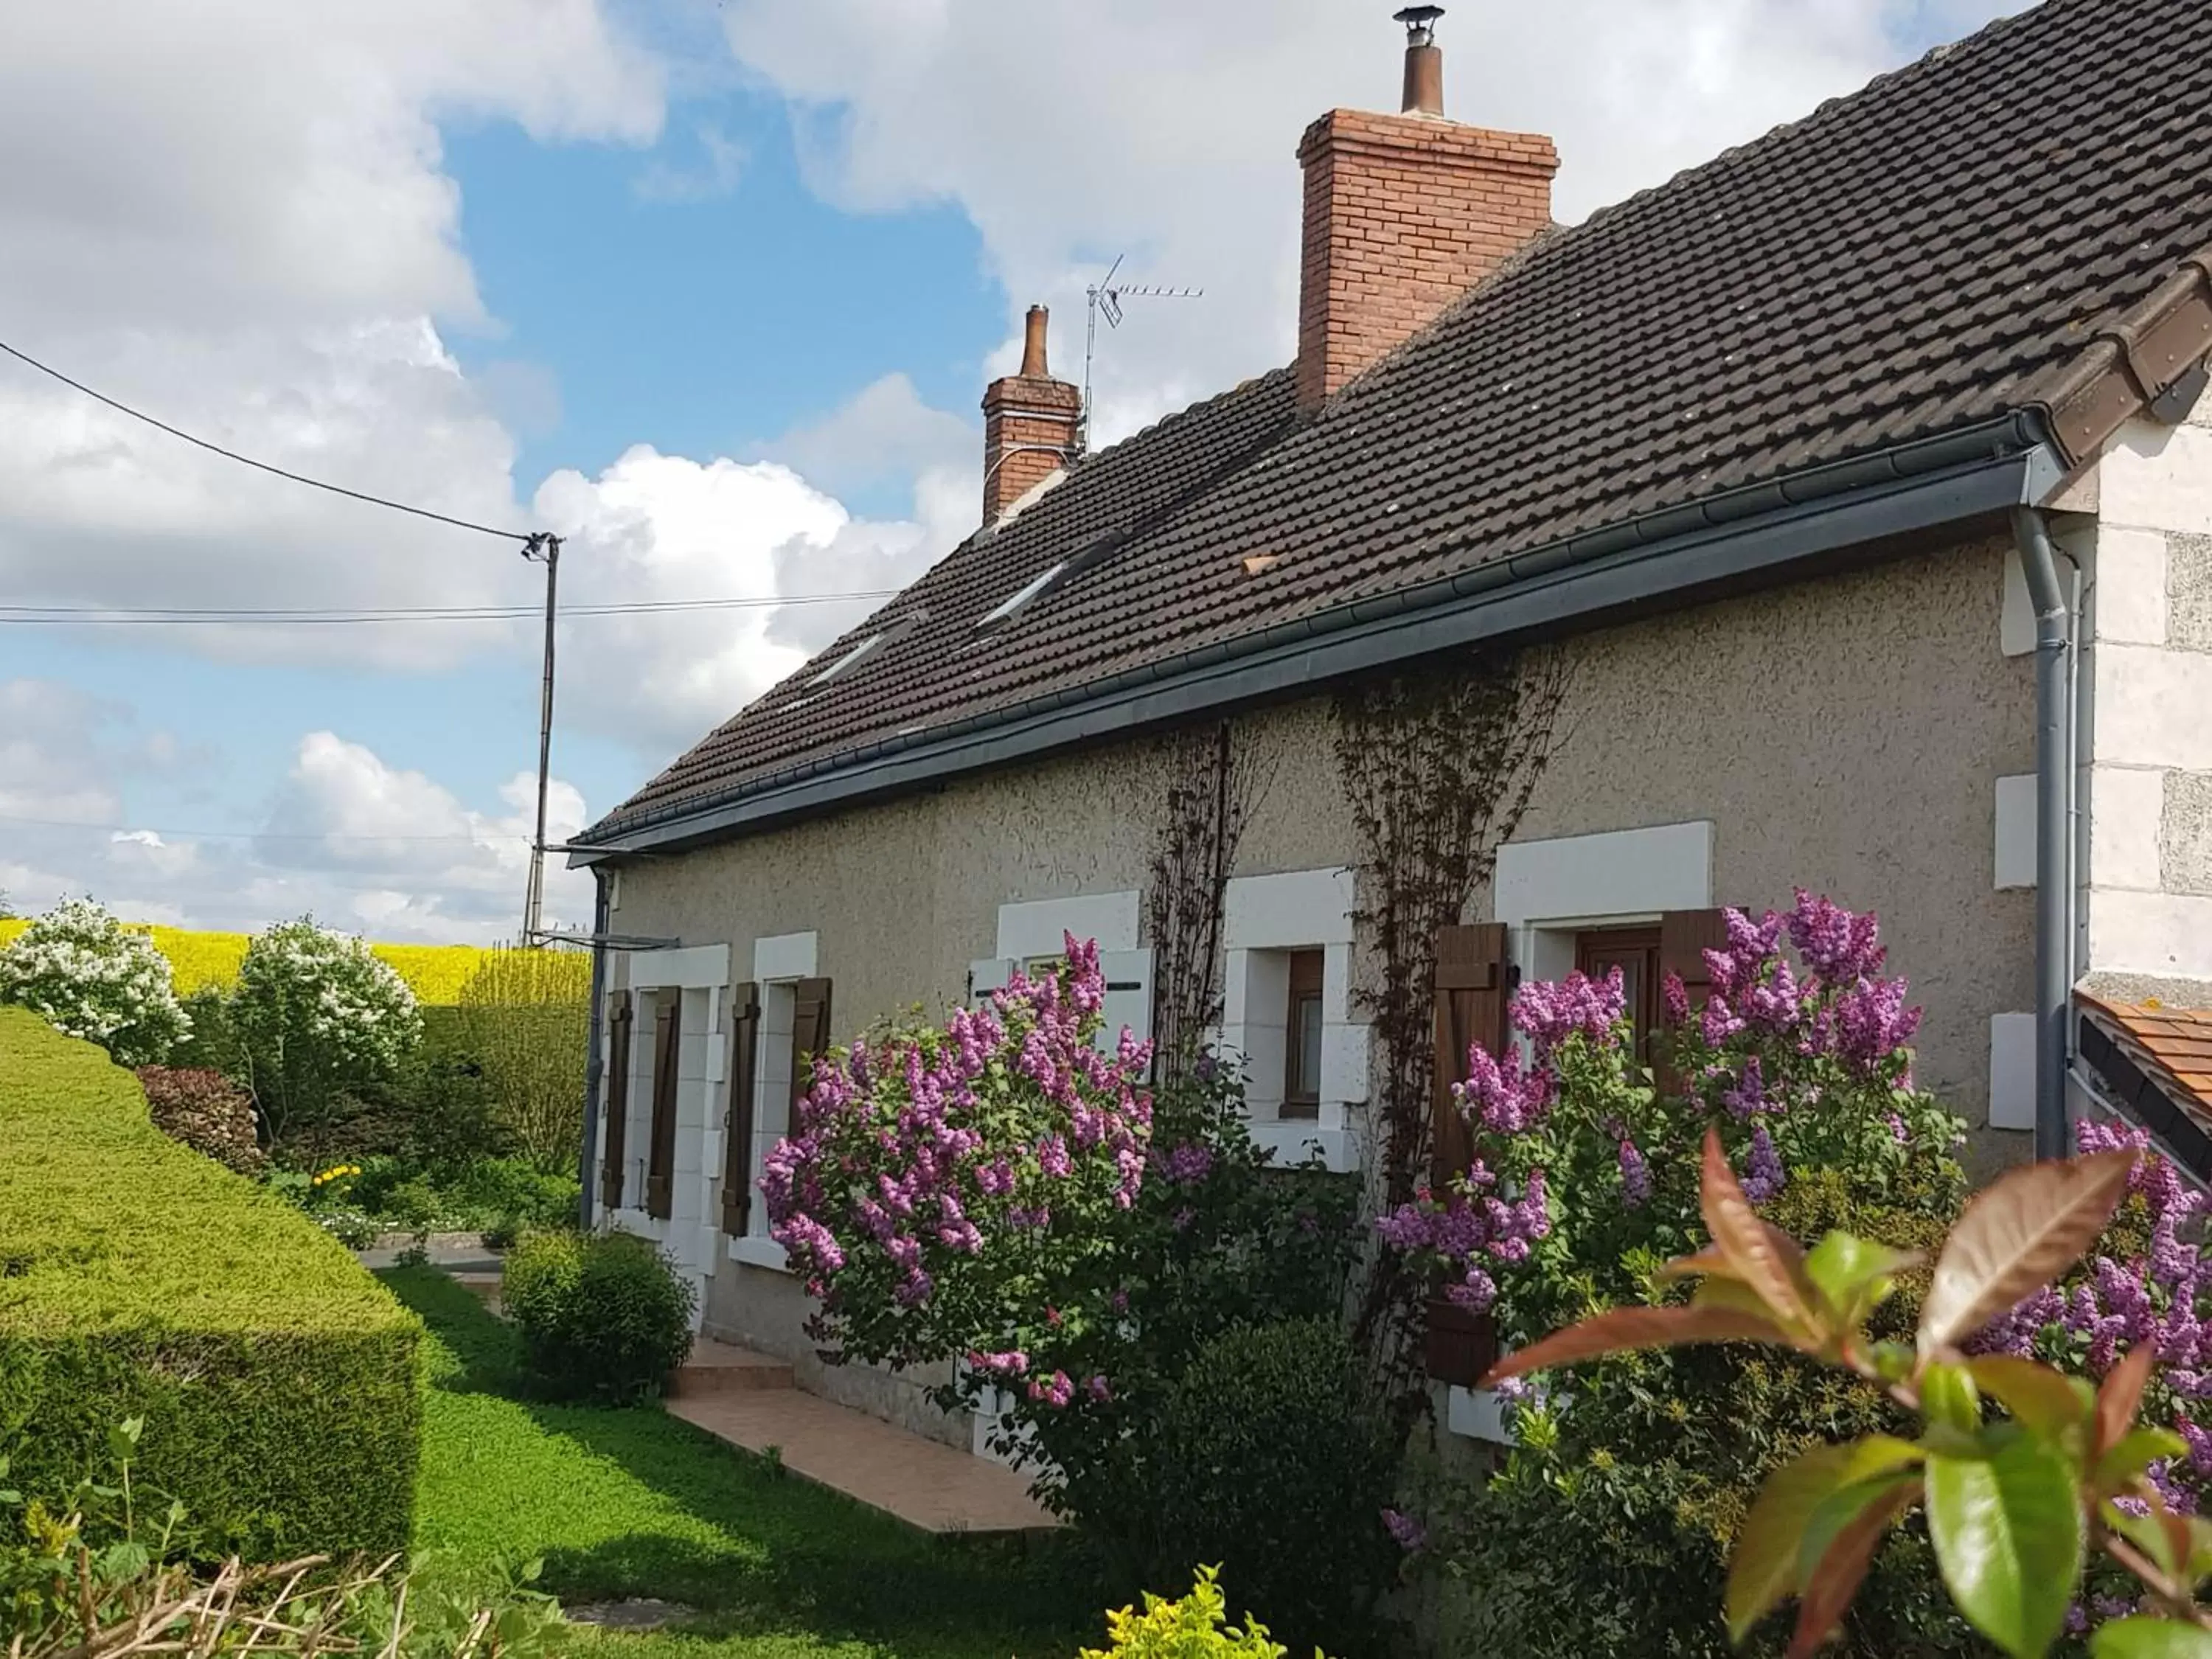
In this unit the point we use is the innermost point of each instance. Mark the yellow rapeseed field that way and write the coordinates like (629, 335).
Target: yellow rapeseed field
(436, 973)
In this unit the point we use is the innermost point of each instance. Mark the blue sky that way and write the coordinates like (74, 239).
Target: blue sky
(475, 256)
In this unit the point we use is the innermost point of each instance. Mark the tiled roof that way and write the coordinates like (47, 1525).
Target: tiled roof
(2156, 1061)
(1971, 236)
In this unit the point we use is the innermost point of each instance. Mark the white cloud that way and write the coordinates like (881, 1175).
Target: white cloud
(1069, 134)
(663, 527)
(360, 843)
(235, 215)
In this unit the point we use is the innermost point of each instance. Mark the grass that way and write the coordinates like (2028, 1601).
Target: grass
(635, 1503)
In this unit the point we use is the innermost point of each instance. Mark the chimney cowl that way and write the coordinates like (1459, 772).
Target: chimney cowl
(1425, 62)
(1033, 332)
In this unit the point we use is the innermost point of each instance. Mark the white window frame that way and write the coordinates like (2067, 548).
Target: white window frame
(779, 962)
(700, 974)
(1034, 930)
(1265, 919)
(1548, 891)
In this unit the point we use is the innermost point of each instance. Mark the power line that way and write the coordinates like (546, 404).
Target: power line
(248, 460)
(102, 616)
(248, 835)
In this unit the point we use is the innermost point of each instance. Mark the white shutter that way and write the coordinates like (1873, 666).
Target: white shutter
(1128, 996)
(986, 975)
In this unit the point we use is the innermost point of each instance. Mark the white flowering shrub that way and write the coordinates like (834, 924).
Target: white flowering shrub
(85, 973)
(317, 1017)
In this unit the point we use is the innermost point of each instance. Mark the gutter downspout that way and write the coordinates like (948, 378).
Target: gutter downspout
(2054, 821)
(594, 1065)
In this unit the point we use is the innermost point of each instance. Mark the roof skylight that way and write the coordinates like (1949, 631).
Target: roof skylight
(1027, 591)
(848, 659)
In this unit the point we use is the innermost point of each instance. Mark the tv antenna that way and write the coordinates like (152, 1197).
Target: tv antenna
(1105, 296)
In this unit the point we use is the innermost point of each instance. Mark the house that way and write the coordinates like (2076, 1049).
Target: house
(1853, 492)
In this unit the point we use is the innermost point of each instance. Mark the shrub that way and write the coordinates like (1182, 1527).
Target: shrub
(88, 976)
(84, 1570)
(317, 1016)
(1196, 1627)
(276, 1379)
(207, 1112)
(526, 1015)
(1270, 1463)
(1585, 1182)
(604, 1316)
(1000, 1192)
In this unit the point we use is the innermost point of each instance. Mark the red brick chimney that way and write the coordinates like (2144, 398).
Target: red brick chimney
(1403, 213)
(1031, 425)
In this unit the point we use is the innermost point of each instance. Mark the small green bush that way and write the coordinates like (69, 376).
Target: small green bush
(1196, 1627)
(277, 1381)
(603, 1315)
(1270, 1463)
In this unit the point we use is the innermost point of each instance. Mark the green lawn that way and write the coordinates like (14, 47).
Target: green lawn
(635, 1503)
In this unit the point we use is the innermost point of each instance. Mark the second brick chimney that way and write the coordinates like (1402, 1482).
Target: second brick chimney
(1032, 425)
(1403, 213)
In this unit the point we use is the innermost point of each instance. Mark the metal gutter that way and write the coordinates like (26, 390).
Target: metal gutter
(593, 1063)
(1982, 470)
(2054, 821)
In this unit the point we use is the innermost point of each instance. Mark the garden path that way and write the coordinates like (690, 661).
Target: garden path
(749, 1399)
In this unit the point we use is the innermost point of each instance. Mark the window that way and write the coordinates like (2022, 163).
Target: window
(848, 659)
(1030, 590)
(1302, 1036)
(1635, 952)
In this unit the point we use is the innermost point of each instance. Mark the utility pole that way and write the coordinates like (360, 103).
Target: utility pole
(545, 549)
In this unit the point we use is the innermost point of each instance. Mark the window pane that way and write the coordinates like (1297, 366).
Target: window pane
(1307, 1031)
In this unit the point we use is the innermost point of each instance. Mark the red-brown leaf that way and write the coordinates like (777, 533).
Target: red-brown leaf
(1619, 1330)
(2121, 1393)
(1765, 1258)
(2017, 1234)
(1827, 1594)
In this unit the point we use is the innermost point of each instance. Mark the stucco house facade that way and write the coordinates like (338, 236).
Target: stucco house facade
(1855, 490)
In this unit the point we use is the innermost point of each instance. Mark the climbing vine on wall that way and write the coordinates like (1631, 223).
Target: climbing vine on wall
(1437, 768)
(1216, 776)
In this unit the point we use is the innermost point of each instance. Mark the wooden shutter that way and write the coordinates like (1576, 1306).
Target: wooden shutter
(1684, 936)
(614, 1103)
(660, 1165)
(737, 1135)
(809, 1031)
(1471, 994)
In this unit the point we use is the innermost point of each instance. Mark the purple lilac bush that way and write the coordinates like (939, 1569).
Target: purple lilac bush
(932, 1168)
(996, 1198)
(1585, 1161)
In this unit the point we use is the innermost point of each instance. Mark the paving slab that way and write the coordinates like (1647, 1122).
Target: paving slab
(922, 1482)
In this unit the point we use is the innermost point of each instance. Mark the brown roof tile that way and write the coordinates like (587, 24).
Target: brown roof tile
(1949, 245)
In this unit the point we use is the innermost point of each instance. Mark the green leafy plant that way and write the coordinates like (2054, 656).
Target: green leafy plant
(2015, 1504)
(1272, 1463)
(1195, 1626)
(88, 976)
(606, 1316)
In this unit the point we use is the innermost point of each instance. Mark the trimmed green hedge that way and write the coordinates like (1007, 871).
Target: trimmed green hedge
(279, 1382)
